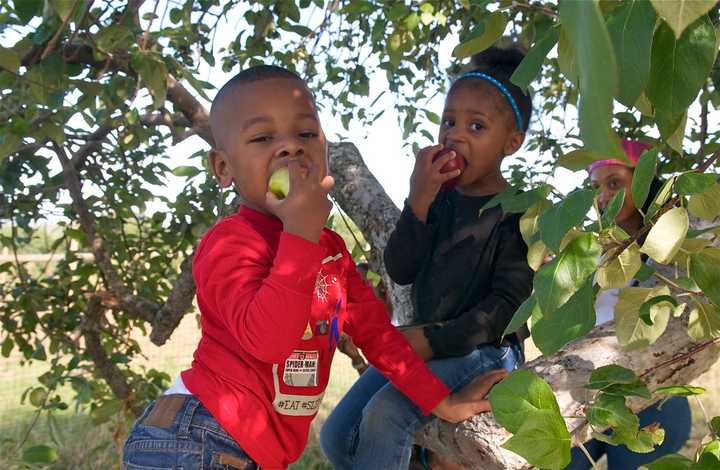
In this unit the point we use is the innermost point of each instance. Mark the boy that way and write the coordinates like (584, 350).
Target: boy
(275, 290)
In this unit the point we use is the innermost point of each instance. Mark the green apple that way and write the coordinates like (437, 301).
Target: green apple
(279, 182)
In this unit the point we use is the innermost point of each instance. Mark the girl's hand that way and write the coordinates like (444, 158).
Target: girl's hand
(419, 342)
(470, 400)
(427, 179)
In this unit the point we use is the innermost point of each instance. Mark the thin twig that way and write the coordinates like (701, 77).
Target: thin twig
(681, 357)
(587, 454)
(56, 38)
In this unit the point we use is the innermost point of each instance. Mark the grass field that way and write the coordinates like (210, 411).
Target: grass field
(84, 446)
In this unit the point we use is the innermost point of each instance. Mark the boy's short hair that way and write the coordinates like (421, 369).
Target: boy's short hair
(244, 77)
(254, 74)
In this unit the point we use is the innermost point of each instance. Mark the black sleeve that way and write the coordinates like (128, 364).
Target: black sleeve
(409, 244)
(511, 284)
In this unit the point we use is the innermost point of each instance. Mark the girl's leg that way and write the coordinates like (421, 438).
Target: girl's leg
(390, 420)
(339, 432)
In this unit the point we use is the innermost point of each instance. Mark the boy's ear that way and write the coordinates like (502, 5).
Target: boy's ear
(513, 142)
(220, 167)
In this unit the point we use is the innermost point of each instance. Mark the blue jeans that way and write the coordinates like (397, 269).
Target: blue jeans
(674, 417)
(177, 432)
(374, 424)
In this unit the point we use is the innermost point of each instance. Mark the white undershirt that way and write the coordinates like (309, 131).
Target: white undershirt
(177, 388)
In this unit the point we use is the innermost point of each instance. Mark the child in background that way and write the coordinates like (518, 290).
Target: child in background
(468, 268)
(275, 290)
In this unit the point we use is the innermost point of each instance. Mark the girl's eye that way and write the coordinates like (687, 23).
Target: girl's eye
(613, 184)
(261, 139)
(308, 134)
(476, 126)
(447, 123)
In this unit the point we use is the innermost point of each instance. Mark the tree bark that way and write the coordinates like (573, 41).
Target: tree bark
(362, 197)
(673, 360)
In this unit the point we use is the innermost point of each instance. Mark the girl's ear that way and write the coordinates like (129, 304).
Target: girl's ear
(220, 167)
(513, 142)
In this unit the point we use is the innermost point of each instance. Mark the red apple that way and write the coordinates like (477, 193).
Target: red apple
(455, 163)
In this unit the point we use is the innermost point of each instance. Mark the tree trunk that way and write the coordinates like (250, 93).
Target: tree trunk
(673, 360)
(363, 198)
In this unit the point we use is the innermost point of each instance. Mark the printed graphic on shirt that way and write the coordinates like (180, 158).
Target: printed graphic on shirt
(331, 258)
(301, 369)
(308, 333)
(323, 282)
(294, 405)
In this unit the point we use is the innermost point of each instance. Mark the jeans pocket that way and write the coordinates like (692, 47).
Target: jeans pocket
(131, 466)
(223, 453)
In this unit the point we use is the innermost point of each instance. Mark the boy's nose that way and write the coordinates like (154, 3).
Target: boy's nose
(290, 148)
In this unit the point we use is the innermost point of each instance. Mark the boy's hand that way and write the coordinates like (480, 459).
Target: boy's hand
(419, 342)
(427, 179)
(306, 208)
(470, 400)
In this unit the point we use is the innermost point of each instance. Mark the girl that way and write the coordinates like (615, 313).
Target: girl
(468, 268)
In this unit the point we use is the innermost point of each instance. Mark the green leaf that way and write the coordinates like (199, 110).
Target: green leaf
(543, 440)
(187, 171)
(680, 390)
(662, 197)
(524, 200)
(621, 270)
(585, 28)
(567, 60)
(612, 411)
(579, 159)
(675, 138)
(694, 183)
(613, 208)
(643, 176)
(9, 60)
(679, 14)
(494, 29)
(606, 376)
(670, 462)
(715, 425)
(41, 454)
(154, 74)
(678, 69)
(574, 319)
(646, 307)
(637, 389)
(521, 315)
(63, 7)
(7, 347)
(26, 9)
(631, 28)
(705, 271)
(107, 410)
(558, 220)
(559, 279)
(667, 235)
(704, 322)
(529, 220)
(530, 66)
(114, 37)
(706, 205)
(518, 396)
(632, 331)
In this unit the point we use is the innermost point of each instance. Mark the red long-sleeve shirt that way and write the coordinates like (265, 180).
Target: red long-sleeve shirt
(272, 307)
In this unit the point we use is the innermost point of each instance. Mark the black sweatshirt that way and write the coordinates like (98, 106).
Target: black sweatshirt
(469, 272)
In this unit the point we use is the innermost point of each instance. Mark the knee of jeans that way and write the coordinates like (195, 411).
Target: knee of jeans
(389, 409)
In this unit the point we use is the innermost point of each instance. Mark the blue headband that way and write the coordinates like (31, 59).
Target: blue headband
(503, 89)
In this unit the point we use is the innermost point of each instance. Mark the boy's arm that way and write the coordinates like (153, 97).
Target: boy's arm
(511, 284)
(264, 303)
(368, 324)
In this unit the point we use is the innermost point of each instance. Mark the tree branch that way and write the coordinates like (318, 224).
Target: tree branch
(107, 369)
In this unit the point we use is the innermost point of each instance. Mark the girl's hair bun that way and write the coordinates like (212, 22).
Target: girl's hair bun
(497, 60)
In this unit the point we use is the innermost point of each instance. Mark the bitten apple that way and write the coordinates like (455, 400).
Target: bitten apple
(279, 182)
(455, 163)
